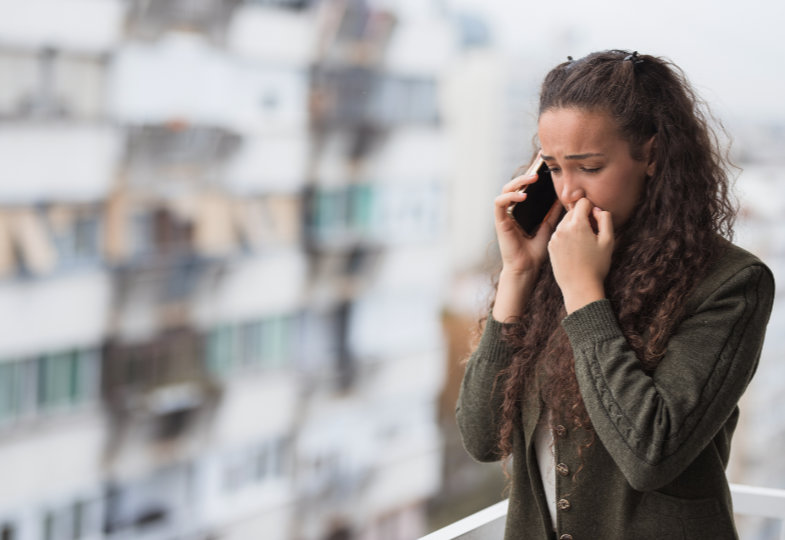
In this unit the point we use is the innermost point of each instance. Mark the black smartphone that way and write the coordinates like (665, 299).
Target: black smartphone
(540, 196)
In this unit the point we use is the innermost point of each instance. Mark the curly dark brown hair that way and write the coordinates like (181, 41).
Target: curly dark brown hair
(661, 253)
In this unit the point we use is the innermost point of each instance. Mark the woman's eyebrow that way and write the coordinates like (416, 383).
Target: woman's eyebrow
(574, 156)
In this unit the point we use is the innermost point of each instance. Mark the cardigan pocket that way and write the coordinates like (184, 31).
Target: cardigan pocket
(660, 516)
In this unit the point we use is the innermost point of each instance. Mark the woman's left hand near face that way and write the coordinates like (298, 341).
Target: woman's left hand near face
(580, 257)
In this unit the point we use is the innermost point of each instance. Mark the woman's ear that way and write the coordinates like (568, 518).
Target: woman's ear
(649, 149)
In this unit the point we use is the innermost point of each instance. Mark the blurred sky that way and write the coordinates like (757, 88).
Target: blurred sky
(733, 51)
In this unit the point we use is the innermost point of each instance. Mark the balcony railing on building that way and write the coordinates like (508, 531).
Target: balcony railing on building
(488, 524)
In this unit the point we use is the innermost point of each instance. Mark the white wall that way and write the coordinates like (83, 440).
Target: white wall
(182, 77)
(59, 312)
(410, 153)
(408, 53)
(255, 407)
(476, 146)
(269, 164)
(54, 461)
(271, 525)
(253, 288)
(272, 35)
(54, 161)
(77, 25)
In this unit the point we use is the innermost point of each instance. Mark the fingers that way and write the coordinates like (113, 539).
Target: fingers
(583, 212)
(519, 182)
(551, 219)
(604, 224)
(581, 209)
(511, 193)
(503, 201)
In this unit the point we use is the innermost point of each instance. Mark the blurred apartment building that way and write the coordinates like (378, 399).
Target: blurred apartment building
(760, 439)
(221, 269)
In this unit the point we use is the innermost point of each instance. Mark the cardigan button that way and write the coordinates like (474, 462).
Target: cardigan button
(560, 430)
(563, 504)
(565, 537)
(562, 469)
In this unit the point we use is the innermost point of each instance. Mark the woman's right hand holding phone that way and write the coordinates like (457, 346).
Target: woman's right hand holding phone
(521, 256)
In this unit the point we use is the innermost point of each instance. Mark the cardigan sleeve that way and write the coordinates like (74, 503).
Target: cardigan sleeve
(655, 425)
(478, 410)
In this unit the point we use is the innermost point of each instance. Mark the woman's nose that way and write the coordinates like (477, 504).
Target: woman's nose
(570, 192)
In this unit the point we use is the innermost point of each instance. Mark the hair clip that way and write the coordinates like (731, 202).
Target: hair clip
(634, 58)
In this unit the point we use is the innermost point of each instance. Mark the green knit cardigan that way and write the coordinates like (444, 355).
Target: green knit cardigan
(656, 469)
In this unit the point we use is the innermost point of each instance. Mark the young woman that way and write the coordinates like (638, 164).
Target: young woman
(622, 336)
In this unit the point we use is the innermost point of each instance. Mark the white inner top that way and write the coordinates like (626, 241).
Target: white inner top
(543, 440)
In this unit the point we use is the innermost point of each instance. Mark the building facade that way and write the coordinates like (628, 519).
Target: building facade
(221, 269)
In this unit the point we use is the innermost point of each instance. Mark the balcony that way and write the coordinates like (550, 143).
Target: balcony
(488, 524)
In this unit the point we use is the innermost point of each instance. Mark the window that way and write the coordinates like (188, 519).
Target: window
(287, 4)
(347, 210)
(406, 100)
(256, 464)
(51, 84)
(330, 212)
(57, 379)
(177, 145)
(80, 85)
(149, 506)
(147, 20)
(252, 343)
(220, 350)
(362, 207)
(77, 519)
(11, 398)
(19, 74)
(268, 343)
(76, 234)
(276, 341)
(66, 379)
(142, 235)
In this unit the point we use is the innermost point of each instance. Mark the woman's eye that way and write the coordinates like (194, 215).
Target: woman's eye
(553, 170)
(591, 170)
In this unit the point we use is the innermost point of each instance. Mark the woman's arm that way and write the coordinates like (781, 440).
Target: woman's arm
(478, 411)
(655, 425)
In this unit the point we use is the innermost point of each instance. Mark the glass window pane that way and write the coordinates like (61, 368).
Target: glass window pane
(61, 378)
(274, 335)
(252, 343)
(75, 374)
(9, 391)
(43, 378)
(221, 350)
(362, 199)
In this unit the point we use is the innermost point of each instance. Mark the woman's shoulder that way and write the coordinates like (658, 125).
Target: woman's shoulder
(733, 258)
(734, 264)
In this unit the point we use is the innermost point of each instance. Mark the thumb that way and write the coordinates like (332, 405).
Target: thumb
(553, 217)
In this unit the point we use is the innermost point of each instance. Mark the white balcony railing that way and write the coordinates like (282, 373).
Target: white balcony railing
(488, 524)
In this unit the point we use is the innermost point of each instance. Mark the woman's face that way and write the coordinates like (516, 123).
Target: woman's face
(588, 158)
